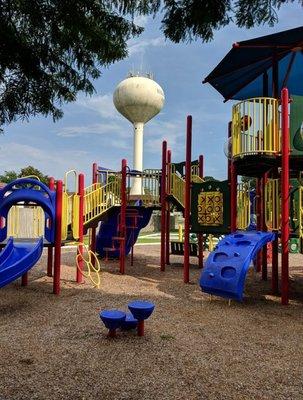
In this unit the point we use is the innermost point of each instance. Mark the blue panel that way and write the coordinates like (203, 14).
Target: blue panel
(29, 190)
(17, 258)
(226, 267)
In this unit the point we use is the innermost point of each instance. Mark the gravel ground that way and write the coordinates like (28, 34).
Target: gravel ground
(56, 348)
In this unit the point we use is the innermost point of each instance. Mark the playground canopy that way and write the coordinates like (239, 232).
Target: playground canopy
(261, 67)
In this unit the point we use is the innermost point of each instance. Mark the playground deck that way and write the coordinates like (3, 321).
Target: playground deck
(56, 348)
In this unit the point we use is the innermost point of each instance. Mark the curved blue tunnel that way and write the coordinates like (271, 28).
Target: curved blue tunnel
(226, 267)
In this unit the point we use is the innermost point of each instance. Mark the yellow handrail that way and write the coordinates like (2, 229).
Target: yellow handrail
(176, 185)
(255, 127)
(89, 265)
(98, 199)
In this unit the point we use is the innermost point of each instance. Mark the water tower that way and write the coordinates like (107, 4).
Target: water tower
(139, 99)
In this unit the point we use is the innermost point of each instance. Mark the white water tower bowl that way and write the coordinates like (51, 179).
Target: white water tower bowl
(138, 99)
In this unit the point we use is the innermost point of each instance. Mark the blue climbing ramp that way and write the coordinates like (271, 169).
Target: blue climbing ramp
(107, 238)
(226, 267)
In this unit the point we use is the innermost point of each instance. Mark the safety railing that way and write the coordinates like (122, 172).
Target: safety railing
(176, 185)
(243, 206)
(195, 172)
(25, 222)
(272, 200)
(150, 192)
(98, 199)
(69, 207)
(255, 127)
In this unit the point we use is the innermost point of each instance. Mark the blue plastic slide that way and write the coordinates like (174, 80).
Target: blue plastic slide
(109, 230)
(17, 258)
(226, 267)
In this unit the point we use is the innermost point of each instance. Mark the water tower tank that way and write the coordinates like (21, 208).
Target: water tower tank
(139, 99)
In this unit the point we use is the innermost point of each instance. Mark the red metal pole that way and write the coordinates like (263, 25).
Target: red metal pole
(79, 276)
(58, 228)
(264, 227)
(94, 229)
(167, 225)
(285, 196)
(233, 197)
(275, 266)
(50, 248)
(140, 328)
(200, 235)
(122, 227)
(163, 204)
(187, 198)
(259, 218)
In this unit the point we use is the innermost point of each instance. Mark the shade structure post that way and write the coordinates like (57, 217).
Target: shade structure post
(163, 205)
(187, 198)
(264, 226)
(233, 197)
(285, 198)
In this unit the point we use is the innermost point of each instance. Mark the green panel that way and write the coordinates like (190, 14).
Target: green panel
(180, 167)
(210, 207)
(296, 127)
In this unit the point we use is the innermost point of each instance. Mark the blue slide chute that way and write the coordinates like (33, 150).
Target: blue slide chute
(17, 258)
(226, 267)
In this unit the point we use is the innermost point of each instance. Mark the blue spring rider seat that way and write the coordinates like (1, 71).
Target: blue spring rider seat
(114, 319)
(141, 310)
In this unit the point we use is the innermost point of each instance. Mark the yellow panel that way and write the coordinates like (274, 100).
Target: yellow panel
(210, 208)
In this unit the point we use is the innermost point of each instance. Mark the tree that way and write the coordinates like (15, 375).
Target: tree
(9, 176)
(33, 172)
(52, 49)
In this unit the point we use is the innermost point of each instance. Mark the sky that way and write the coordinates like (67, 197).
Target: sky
(93, 131)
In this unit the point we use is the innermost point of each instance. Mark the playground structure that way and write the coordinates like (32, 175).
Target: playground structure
(265, 139)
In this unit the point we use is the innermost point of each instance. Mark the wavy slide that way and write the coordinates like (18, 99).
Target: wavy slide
(226, 267)
(109, 229)
(17, 258)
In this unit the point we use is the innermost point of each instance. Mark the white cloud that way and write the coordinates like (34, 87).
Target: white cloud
(101, 104)
(138, 46)
(92, 129)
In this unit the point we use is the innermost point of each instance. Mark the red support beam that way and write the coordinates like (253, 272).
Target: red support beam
(200, 235)
(233, 197)
(163, 205)
(187, 198)
(275, 267)
(79, 276)
(264, 227)
(94, 229)
(122, 227)
(167, 224)
(259, 219)
(58, 229)
(285, 197)
(51, 185)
